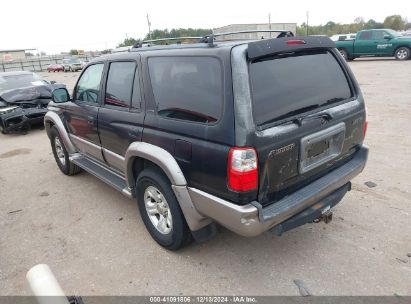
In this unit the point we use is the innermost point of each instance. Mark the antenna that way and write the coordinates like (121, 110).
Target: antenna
(149, 26)
(269, 22)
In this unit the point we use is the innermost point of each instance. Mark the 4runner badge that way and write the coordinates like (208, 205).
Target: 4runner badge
(282, 149)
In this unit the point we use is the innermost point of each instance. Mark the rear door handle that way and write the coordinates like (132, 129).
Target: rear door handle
(90, 120)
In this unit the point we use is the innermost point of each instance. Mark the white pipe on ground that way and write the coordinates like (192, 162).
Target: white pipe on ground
(45, 286)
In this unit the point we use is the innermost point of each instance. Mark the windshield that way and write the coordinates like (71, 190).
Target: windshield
(285, 86)
(11, 82)
(393, 33)
(74, 61)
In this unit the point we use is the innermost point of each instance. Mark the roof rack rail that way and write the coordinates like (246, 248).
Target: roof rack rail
(211, 37)
(140, 44)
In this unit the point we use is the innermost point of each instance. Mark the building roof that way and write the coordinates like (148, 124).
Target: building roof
(16, 50)
(264, 23)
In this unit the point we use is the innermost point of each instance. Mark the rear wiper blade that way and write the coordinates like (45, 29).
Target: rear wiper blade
(291, 114)
(332, 100)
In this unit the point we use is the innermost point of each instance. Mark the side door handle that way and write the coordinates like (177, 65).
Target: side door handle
(90, 120)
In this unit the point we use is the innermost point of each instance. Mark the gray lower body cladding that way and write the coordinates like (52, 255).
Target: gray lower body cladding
(253, 219)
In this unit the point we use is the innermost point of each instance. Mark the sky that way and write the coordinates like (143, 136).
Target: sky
(54, 26)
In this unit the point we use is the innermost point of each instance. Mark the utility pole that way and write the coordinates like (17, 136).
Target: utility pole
(149, 27)
(307, 23)
(269, 23)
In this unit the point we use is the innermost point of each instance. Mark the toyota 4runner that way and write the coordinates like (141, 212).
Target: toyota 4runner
(252, 135)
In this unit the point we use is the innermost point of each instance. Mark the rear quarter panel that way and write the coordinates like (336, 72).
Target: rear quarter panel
(201, 150)
(348, 46)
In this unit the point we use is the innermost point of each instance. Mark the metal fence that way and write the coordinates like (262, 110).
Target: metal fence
(36, 64)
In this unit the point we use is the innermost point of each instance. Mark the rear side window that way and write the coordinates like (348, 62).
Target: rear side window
(187, 88)
(367, 35)
(283, 87)
(120, 84)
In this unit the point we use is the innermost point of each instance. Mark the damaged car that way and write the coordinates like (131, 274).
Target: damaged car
(24, 97)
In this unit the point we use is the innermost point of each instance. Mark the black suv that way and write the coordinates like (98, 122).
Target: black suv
(252, 135)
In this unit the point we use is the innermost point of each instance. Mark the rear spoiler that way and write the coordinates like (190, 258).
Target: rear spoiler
(267, 47)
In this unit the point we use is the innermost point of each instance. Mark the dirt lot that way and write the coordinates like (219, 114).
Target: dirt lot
(95, 242)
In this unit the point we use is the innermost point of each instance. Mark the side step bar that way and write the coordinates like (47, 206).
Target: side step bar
(106, 175)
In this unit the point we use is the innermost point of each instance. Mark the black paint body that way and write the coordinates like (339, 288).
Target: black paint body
(201, 149)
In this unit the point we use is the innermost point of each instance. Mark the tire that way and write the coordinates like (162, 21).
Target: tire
(154, 193)
(402, 53)
(60, 154)
(344, 54)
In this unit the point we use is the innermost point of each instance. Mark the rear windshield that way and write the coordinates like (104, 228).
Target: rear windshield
(283, 87)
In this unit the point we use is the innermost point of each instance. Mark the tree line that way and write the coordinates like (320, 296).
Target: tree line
(395, 22)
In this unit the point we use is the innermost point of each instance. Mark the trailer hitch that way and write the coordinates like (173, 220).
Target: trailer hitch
(326, 216)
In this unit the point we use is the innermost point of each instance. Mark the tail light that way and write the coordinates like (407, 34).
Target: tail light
(295, 42)
(242, 169)
(365, 127)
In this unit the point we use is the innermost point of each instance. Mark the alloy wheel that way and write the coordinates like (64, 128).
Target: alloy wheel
(158, 210)
(60, 151)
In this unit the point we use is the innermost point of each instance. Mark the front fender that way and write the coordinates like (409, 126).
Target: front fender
(53, 119)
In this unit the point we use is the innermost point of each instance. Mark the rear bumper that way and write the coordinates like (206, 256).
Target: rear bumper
(252, 219)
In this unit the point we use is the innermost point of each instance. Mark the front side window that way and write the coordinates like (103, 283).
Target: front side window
(120, 84)
(379, 35)
(187, 88)
(88, 87)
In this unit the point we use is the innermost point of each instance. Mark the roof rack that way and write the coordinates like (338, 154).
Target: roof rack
(140, 44)
(210, 38)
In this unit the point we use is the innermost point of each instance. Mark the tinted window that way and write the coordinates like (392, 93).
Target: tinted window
(88, 87)
(379, 35)
(188, 88)
(120, 84)
(367, 35)
(286, 86)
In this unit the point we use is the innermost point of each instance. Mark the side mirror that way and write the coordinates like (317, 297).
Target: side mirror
(52, 82)
(387, 37)
(60, 95)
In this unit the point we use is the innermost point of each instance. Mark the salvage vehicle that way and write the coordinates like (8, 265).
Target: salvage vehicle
(376, 43)
(55, 68)
(24, 97)
(240, 133)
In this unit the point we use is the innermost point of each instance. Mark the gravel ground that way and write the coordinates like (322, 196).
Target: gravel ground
(93, 239)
